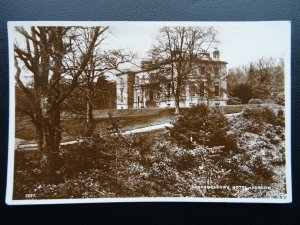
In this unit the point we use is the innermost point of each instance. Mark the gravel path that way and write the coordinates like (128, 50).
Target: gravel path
(149, 128)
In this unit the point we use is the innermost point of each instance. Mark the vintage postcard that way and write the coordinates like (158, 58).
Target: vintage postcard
(149, 111)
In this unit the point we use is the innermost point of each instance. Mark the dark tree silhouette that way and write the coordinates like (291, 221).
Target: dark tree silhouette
(45, 56)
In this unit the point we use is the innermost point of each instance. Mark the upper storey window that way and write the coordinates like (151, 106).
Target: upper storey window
(202, 70)
(217, 72)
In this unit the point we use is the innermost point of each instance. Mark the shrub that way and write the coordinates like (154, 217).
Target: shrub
(233, 101)
(255, 101)
(280, 100)
(200, 125)
(264, 114)
(268, 101)
(243, 92)
(204, 148)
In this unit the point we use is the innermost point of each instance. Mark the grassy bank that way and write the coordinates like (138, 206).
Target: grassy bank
(128, 119)
(74, 127)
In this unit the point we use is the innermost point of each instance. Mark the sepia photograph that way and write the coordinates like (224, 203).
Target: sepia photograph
(149, 111)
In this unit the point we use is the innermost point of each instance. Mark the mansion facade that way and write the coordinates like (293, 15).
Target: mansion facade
(205, 83)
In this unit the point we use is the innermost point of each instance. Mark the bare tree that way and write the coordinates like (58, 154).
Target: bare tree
(177, 50)
(100, 63)
(266, 76)
(235, 77)
(45, 56)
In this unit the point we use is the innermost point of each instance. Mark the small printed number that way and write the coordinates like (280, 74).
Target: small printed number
(29, 195)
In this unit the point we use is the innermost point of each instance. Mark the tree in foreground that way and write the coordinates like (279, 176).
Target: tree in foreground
(47, 55)
(174, 53)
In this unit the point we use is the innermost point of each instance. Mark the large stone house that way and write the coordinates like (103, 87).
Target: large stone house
(206, 83)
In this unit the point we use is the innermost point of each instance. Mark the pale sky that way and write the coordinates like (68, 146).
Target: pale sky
(240, 42)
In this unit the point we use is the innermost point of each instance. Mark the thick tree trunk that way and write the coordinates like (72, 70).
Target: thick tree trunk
(48, 139)
(177, 110)
(43, 56)
(89, 119)
(50, 110)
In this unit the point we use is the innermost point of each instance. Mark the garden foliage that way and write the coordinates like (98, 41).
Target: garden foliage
(204, 148)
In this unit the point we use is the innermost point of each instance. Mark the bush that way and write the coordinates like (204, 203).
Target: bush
(204, 148)
(268, 101)
(280, 100)
(200, 125)
(262, 128)
(263, 115)
(233, 101)
(150, 103)
(229, 109)
(243, 92)
(255, 101)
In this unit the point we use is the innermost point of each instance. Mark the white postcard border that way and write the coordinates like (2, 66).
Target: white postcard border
(10, 163)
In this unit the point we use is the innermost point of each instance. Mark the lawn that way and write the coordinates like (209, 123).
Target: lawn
(74, 127)
(128, 119)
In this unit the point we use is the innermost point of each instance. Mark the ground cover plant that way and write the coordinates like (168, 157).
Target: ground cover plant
(205, 154)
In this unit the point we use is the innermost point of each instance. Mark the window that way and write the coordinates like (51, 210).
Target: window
(216, 54)
(202, 70)
(217, 72)
(192, 90)
(137, 80)
(151, 95)
(121, 96)
(208, 77)
(194, 73)
(217, 90)
(202, 88)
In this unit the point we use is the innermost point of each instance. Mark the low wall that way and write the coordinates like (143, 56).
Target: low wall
(227, 109)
